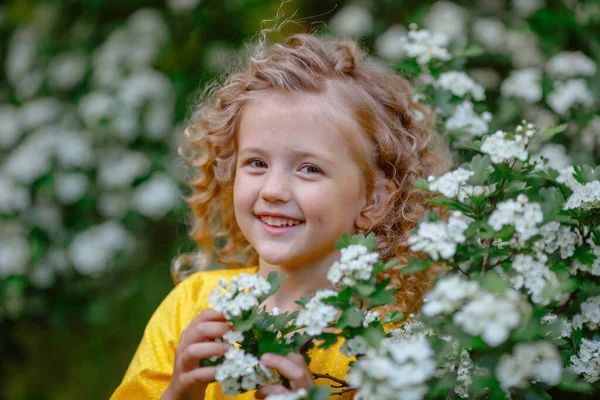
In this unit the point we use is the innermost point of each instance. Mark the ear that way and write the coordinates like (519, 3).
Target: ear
(378, 204)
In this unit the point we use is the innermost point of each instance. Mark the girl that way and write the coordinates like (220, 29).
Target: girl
(305, 144)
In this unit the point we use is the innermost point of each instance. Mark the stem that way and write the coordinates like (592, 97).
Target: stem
(459, 269)
(341, 392)
(568, 302)
(486, 258)
(342, 382)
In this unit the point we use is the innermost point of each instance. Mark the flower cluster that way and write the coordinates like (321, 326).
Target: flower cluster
(459, 84)
(440, 239)
(450, 184)
(503, 150)
(590, 314)
(587, 361)
(317, 315)
(567, 95)
(425, 46)
(520, 213)
(584, 196)
(241, 371)
(566, 328)
(355, 264)
(396, 370)
(533, 274)
(555, 237)
(464, 375)
(241, 294)
(534, 361)
(594, 267)
(465, 119)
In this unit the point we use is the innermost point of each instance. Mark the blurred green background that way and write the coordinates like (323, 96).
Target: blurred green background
(93, 101)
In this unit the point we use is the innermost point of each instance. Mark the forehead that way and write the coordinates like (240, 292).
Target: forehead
(296, 121)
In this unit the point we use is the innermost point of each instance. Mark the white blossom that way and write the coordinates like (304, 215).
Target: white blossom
(567, 95)
(587, 361)
(426, 46)
(67, 70)
(565, 176)
(14, 256)
(538, 361)
(317, 315)
(565, 326)
(13, 196)
(525, 8)
(96, 107)
(356, 264)
(524, 48)
(118, 169)
(370, 316)
(396, 370)
(238, 295)
(487, 77)
(39, 112)
(534, 275)
(556, 154)
(464, 375)
(354, 346)
(524, 84)
(465, 119)
(241, 371)
(10, 129)
(70, 187)
(520, 213)
(590, 312)
(448, 18)
(352, 20)
(440, 239)
(182, 6)
(412, 327)
(156, 197)
(461, 85)
(503, 150)
(448, 295)
(490, 32)
(233, 337)
(491, 316)
(389, 45)
(450, 183)
(92, 250)
(568, 64)
(585, 196)
(555, 236)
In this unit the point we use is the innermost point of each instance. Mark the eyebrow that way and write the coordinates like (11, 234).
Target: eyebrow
(297, 154)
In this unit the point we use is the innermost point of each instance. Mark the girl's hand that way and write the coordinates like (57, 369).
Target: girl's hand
(189, 380)
(293, 367)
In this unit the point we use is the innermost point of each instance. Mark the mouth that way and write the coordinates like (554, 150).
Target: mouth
(278, 225)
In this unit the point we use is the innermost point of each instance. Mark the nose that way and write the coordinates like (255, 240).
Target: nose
(276, 187)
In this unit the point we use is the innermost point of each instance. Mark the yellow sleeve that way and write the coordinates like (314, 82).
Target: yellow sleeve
(151, 368)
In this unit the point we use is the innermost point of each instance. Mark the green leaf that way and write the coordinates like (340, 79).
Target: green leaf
(363, 289)
(382, 295)
(421, 184)
(329, 339)
(344, 242)
(451, 204)
(351, 317)
(415, 265)
(571, 382)
(275, 281)
(319, 392)
(393, 317)
(584, 255)
(480, 165)
(373, 336)
(553, 201)
(549, 132)
(494, 283)
(268, 343)
(469, 52)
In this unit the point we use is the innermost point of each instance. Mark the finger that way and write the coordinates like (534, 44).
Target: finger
(198, 375)
(297, 372)
(210, 314)
(204, 331)
(268, 390)
(200, 351)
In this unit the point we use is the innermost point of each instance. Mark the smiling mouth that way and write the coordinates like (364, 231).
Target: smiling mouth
(278, 222)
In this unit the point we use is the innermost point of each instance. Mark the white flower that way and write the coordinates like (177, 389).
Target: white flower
(297, 395)
(566, 177)
(10, 129)
(533, 274)
(524, 48)
(450, 183)
(459, 84)
(113, 205)
(524, 84)
(426, 46)
(14, 256)
(240, 370)
(520, 213)
(587, 361)
(356, 264)
(238, 295)
(13, 197)
(97, 106)
(182, 6)
(502, 150)
(594, 267)
(145, 86)
(490, 32)
(409, 329)
(524, 8)
(448, 295)
(233, 337)
(118, 169)
(448, 18)
(156, 197)
(470, 190)
(440, 239)
(317, 315)
(40, 112)
(464, 375)
(352, 20)
(538, 361)
(465, 119)
(555, 236)
(370, 316)
(567, 95)
(590, 312)
(32, 159)
(92, 250)
(568, 64)
(395, 371)
(389, 45)
(354, 346)
(67, 70)
(70, 187)
(487, 77)
(491, 316)
(556, 154)
(585, 196)
(565, 326)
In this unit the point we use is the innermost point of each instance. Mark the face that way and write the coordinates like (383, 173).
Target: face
(296, 187)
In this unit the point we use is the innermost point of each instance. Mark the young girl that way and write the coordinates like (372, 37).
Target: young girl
(305, 144)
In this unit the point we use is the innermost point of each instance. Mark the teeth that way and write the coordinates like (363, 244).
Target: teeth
(279, 221)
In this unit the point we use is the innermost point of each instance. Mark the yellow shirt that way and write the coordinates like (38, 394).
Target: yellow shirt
(150, 371)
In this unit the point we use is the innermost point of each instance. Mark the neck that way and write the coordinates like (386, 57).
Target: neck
(301, 281)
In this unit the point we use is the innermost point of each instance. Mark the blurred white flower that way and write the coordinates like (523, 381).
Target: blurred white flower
(119, 168)
(47, 215)
(585, 196)
(465, 119)
(96, 107)
(486, 77)
(555, 236)
(448, 18)
(13, 197)
(539, 361)
(21, 58)
(317, 315)
(541, 116)
(565, 326)
(590, 312)
(352, 20)
(449, 184)
(73, 149)
(524, 84)
(534, 275)
(448, 295)
(440, 239)
(520, 213)
(524, 49)
(14, 256)
(389, 45)
(567, 95)
(125, 124)
(70, 187)
(32, 158)
(568, 64)
(556, 154)
(156, 197)
(297, 395)
(459, 84)
(525, 8)
(590, 135)
(587, 361)
(113, 205)
(10, 129)
(158, 119)
(354, 346)
(67, 70)
(92, 250)
(490, 33)
(40, 111)
(425, 46)
(145, 86)
(503, 150)
(182, 6)
(565, 176)
(356, 264)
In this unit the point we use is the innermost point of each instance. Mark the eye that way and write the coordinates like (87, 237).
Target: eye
(310, 169)
(255, 163)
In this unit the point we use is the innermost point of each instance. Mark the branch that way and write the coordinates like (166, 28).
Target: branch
(341, 392)
(342, 382)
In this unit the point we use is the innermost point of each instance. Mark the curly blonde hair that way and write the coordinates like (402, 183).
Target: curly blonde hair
(380, 102)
